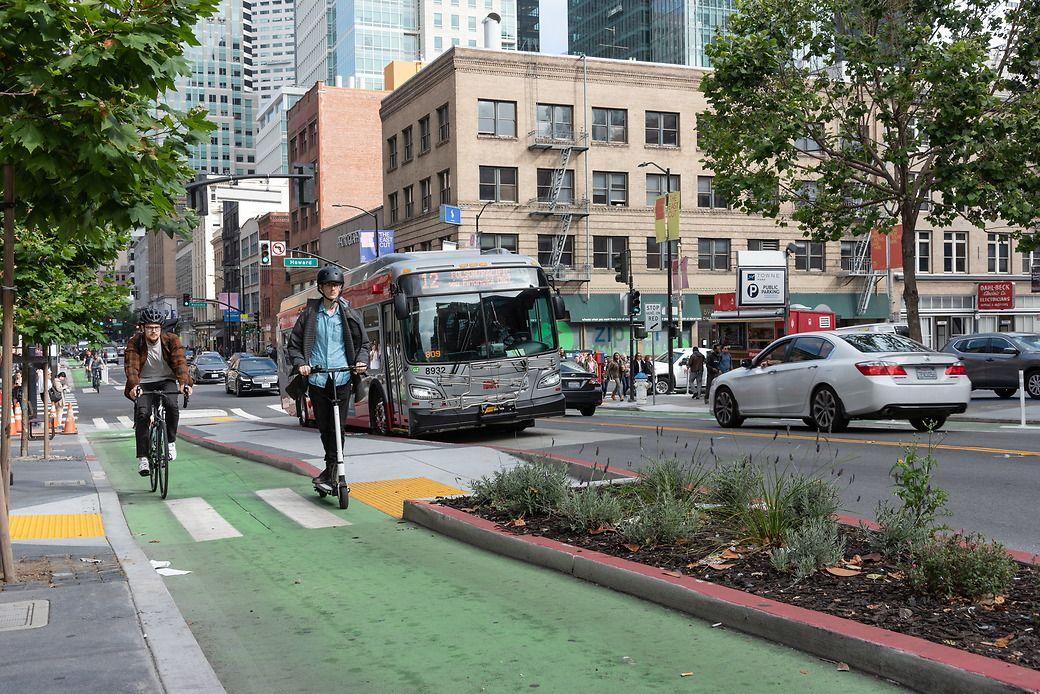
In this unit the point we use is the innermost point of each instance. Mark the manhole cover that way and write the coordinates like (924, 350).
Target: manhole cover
(64, 483)
(27, 614)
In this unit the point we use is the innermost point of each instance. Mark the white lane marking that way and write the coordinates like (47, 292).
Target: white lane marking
(201, 520)
(291, 504)
(242, 413)
(100, 423)
(196, 414)
(277, 408)
(126, 421)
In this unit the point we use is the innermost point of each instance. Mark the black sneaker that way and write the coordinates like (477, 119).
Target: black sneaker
(324, 478)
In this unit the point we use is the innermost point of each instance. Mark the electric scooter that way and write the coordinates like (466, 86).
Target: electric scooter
(338, 487)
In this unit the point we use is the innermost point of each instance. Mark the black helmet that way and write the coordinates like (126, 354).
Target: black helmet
(151, 315)
(330, 273)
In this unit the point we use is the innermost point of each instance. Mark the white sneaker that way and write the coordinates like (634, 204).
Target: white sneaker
(171, 448)
(142, 467)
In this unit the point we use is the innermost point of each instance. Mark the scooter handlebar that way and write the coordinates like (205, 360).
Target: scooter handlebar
(325, 370)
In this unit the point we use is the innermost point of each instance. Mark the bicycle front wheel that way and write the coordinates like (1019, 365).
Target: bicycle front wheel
(153, 457)
(163, 462)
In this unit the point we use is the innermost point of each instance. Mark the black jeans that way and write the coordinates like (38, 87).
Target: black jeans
(142, 410)
(323, 415)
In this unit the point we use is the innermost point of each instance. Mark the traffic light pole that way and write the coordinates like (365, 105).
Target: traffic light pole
(668, 251)
(632, 366)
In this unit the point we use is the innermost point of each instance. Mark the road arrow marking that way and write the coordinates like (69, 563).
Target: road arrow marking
(242, 413)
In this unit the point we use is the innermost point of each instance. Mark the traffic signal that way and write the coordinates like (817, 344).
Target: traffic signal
(185, 300)
(305, 193)
(633, 302)
(265, 253)
(621, 268)
(639, 331)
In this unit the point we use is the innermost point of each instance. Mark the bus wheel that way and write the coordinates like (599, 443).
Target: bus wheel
(377, 414)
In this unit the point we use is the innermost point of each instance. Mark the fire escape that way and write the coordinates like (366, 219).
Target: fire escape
(860, 265)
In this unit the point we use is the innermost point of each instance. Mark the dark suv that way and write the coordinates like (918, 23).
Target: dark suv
(994, 360)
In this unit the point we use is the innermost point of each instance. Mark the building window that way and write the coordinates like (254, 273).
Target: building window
(496, 118)
(807, 191)
(713, 254)
(606, 249)
(610, 125)
(1029, 261)
(849, 255)
(409, 148)
(472, 21)
(438, 20)
(924, 251)
(506, 241)
(806, 144)
(763, 244)
(555, 122)
(391, 202)
(545, 185)
(546, 244)
(808, 255)
(443, 123)
(999, 253)
(707, 196)
(425, 195)
(498, 183)
(609, 188)
(424, 135)
(955, 251)
(655, 187)
(662, 128)
(391, 152)
(409, 202)
(655, 253)
(444, 183)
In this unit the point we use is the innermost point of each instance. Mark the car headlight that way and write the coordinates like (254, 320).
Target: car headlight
(550, 380)
(424, 393)
(245, 379)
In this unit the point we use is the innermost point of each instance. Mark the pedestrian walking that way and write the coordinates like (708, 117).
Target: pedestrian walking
(614, 375)
(695, 369)
(714, 364)
(726, 360)
(648, 366)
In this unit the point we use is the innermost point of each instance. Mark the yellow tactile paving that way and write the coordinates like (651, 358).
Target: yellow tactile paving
(56, 525)
(389, 495)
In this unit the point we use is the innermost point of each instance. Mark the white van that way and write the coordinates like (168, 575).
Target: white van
(679, 359)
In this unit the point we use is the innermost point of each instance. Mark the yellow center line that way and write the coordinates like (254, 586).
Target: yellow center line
(813, 438)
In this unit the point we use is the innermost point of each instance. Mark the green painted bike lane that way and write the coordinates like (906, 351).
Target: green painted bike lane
(385, 606)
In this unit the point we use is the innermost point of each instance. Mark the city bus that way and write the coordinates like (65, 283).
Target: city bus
(460, 339)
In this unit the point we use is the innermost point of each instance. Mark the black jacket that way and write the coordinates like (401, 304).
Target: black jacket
(301, 341)
(714, 362)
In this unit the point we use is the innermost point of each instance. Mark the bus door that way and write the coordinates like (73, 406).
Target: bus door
(393, 366)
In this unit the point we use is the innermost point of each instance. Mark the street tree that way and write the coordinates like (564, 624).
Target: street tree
(864, 114)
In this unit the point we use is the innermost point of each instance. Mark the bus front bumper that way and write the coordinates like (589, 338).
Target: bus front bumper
(426, 421)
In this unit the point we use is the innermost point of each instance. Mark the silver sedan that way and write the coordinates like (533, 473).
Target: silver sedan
(827, 379)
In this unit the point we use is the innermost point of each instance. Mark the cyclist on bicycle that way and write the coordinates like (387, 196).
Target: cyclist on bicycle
(96, 365)
(154, 363)
(329, 334)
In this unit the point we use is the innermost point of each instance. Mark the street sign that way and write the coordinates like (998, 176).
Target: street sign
(450, 214)
(761, 286)
(652, 318)
(995, 296)
(278, 248)
(299, 262)
(196, 304)
(231, 316)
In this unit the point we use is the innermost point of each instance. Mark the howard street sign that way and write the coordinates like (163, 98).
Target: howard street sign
(299, 262)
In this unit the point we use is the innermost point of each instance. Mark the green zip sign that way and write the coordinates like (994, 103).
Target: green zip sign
(299, 262)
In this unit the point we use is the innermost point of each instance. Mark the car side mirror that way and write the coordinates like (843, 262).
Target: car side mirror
(1011, 351)
(746, 363)
(400, 305)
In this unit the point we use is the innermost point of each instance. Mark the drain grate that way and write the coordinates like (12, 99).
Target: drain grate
(26, 614)
(64, 483)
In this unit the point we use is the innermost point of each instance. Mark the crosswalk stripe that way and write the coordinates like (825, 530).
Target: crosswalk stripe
(277, 408)
(291, 504)
(100, 423)
(242, 413)
(125, 421)
(201, 520)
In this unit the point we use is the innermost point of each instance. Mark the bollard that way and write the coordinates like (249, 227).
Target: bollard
(1022, 394)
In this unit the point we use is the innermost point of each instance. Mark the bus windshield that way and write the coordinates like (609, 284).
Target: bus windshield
(476, 326)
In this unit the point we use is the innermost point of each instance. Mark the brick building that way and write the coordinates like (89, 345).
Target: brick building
(337, 131)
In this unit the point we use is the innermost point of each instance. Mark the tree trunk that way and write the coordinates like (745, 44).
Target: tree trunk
(911, 298)
(47, 433)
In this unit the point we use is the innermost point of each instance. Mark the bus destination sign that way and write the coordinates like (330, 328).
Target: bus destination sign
(476, 279)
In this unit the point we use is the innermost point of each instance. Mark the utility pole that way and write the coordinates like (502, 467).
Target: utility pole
(631, 331)
(6, 364)
(668, 246)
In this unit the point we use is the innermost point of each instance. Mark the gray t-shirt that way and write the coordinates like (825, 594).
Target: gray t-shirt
(155, 368)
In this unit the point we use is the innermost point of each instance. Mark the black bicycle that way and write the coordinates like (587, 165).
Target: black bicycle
(96, 380)
(158, 448)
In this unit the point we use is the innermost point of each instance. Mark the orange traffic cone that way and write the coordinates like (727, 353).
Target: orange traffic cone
(70, 421)
(54, 416)
(16, 423)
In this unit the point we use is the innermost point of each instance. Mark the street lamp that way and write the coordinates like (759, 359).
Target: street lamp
(375, 218)
(478, 222)
(668, 254)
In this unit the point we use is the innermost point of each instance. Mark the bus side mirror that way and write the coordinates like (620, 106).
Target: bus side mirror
(559, 307)
(400, 305)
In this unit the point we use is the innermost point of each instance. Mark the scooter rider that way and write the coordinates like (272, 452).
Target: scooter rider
(329, 334)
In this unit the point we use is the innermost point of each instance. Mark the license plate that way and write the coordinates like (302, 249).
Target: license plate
(490, 409)
(574, 385)
(926, 375)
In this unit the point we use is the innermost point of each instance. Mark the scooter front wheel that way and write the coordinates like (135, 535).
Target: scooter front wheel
(344, 496)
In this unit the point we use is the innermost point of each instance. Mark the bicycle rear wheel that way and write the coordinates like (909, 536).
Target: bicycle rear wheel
(163, 462)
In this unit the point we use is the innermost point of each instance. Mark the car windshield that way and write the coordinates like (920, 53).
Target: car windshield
(260, 364)
(471, 327)
(1028, 343)
(872, 343)
(664, 357)
(210, 361)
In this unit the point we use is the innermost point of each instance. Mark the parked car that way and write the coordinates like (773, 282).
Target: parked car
(249, 374)
(827, 379)
(120, 350)
(679, 358)
(582, 389)
(110, 355)
(994, 360)
(208, 367)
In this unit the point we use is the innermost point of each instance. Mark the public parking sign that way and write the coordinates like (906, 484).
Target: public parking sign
(760, 287)
(652, 317)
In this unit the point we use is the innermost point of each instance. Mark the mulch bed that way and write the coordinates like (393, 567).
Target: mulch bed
(876, 596)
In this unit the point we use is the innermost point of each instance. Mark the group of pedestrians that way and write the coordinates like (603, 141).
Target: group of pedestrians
(620, 373)
(718, 361)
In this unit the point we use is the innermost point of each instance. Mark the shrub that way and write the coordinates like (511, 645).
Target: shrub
(735, 485)
(784, 503)
(672, 477)
(959, 565)
(817, 543)
(664, 521)
(813, 497)
(530, 488)
(898, 531)
(588, 509)
(923, 502)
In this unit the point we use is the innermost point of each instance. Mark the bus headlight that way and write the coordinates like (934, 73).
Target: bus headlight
(423, 393)
(550, 380)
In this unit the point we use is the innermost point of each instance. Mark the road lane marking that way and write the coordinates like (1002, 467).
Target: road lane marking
(201, 520)
(242, 413)
(289, 503)
(100, 423)
(198, 414)
(126, 421)
(277, 408)
(781, 434)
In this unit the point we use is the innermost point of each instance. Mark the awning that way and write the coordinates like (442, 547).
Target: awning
(844, 304)
(606, 308)
(747, 314)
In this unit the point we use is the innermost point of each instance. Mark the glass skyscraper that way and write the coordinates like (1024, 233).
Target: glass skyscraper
(372, 33)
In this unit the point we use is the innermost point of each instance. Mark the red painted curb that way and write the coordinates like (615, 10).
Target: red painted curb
(989, 668)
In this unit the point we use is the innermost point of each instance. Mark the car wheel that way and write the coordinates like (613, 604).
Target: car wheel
(238, 390)
(379, 423)
(828, 414)
(727, 414)
(1005, 392)
(809, 422)
(662, 386)
(928, 423)
(1033, 384)
(587, 411)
